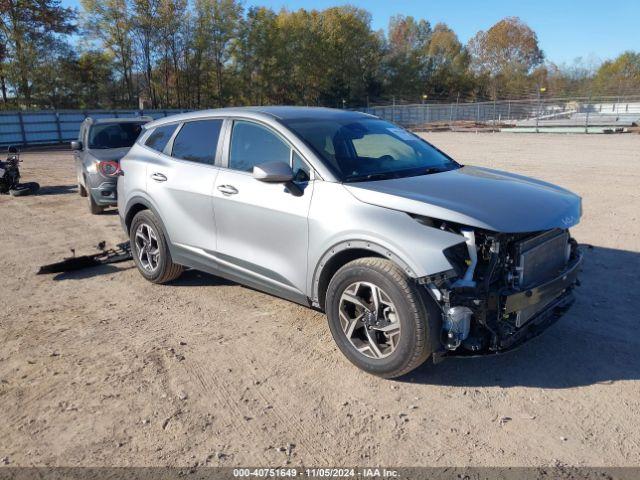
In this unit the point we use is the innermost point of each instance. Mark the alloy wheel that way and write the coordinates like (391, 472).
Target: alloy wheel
(147, 247)
(369, 320)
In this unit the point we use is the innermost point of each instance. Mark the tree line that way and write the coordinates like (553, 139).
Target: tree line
(192, 54)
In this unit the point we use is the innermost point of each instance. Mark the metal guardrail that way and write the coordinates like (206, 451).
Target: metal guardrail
(57, 126)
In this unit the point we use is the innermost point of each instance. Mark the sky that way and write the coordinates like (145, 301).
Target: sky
(595, 30)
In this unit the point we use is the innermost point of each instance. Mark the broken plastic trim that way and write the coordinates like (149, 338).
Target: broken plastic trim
(121, 253)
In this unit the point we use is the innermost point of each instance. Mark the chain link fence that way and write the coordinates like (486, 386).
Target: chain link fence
(566, 115)
(572, 114)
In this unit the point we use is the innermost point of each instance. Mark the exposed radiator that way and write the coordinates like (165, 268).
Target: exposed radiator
(542, 257)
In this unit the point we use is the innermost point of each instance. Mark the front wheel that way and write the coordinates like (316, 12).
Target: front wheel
(379, 318)
(94, 208)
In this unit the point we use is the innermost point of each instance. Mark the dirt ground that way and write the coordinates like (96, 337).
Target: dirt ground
(101, 368)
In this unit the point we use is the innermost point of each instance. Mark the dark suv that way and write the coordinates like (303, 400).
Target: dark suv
(100, 146)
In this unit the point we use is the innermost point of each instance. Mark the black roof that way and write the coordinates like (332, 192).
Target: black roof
(297, 113)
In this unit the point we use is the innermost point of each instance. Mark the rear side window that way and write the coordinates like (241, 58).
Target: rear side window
(197, 141)
(160, 137)
(252, 144)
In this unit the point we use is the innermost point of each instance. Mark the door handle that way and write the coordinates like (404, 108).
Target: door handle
(228, 189)
(159, 177)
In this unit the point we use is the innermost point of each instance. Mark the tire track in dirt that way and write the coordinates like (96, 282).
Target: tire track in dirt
(210, 386)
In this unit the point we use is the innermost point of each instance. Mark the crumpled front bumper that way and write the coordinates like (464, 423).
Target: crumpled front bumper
(554, 295)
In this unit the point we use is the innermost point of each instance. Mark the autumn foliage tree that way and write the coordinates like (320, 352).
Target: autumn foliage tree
(192, 54)
(505, 55)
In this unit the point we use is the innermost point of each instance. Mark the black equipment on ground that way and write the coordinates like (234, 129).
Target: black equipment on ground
(10, 176)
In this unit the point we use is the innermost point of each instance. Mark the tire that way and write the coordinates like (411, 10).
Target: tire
(409, 310)
(164, 270)
(25, 189)
(94, 208)
(81, 190)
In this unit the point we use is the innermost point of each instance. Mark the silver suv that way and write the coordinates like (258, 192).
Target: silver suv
(410, 254)
(97, 152)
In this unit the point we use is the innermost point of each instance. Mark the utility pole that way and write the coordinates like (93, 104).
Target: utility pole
(540, 90)
(393, 109)
(424, 116)
(586, 120)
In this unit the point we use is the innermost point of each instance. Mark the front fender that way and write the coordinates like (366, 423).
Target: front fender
(337, 221)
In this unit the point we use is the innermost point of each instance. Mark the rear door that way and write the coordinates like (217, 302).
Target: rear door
(181, 183)
(262, 228)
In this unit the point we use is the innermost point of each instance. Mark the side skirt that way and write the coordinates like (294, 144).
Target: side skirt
(204, 261)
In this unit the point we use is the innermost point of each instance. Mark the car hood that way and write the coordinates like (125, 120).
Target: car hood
(109, 154)
(478, 197)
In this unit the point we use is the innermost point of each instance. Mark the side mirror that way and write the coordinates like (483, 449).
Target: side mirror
(76, 145)
(273, 172)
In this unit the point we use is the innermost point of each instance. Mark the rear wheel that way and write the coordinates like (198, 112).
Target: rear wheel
(380, 319)
(150, 250)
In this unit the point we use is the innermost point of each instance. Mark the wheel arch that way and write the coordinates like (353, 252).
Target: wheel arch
(342, 253)
(136, 205)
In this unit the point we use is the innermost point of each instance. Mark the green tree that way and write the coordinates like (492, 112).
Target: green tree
(146, 27)
(301, 59)
(3, 76)
(29, 28)
(406, 61)
(448, 63)
(173, 16)
(352, 55)
(255, 57)
(218, 25)
(110, 22)
(619, 76)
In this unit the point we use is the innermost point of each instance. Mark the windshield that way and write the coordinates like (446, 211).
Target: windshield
(114, 135)
(370, 149)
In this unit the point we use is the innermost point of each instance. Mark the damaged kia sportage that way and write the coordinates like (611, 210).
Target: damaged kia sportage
(411, 254)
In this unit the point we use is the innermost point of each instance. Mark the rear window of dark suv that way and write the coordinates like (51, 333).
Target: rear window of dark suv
(114, 135)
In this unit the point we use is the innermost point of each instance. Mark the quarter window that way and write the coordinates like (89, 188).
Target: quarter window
(301, 171)
(252, 144)
(160, 137)
(197, 141)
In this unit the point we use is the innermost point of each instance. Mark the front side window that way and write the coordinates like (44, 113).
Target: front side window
(364, 149)
(253, 144)
(197, 141)
(160, 137)
(114, 135)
